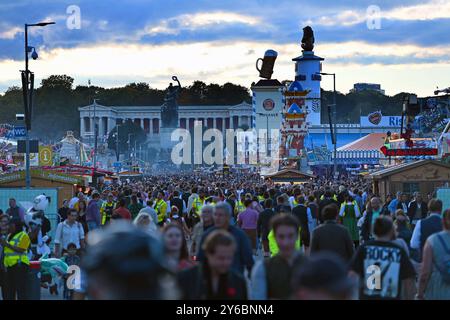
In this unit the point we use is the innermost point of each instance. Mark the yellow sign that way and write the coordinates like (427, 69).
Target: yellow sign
(45, 156)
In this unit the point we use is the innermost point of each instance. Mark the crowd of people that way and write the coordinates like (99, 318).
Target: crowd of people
(197, 236)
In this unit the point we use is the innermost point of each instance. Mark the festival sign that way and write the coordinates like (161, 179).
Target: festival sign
(375, 117)
(57, 176)
(268, 104)
(45, 156)
(412, 152)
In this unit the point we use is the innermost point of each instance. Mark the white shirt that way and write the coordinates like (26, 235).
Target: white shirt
(417, 234)
(66, 234)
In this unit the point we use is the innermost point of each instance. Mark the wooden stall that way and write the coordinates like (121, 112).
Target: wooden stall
(424, 176)
(66, 184)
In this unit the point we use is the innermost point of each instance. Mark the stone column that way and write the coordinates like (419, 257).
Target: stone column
(101, 129)
(91, 124)
(111, 124)
(224, 125)
(82, 128)
(150, 126)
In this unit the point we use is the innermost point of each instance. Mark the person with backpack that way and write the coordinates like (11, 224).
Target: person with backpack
(434, 278)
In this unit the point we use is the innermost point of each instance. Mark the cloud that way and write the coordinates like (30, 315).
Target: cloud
(226, 61)
(202, 20)
(116, 39)
(435, 9)
(9, 33)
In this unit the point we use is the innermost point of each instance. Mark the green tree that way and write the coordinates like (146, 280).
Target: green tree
(11, 103)
(57, 82)
(127, 130)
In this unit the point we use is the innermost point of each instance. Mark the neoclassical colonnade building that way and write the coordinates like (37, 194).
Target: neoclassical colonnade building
(221, 117)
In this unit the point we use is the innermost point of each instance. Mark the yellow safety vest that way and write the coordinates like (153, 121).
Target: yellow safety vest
(295, 203)
(273, 246)
(260, 198)
(104, 211)
(11, 257)
(161, 209)
(197, 205)
(334, 197)
(240, 207)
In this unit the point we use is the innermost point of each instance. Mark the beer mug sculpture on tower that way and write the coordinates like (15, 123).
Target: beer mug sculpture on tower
(268, 63)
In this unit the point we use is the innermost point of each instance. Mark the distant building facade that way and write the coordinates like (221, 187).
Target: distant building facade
(149, 117)
(358, 87)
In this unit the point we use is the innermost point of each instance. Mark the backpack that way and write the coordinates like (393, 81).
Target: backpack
(444, 266)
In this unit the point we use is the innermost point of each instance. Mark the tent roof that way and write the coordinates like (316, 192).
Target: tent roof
(372, 141)
(290, 174)
(406, 166)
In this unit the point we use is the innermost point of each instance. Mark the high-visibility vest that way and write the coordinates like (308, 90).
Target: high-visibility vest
(11, 257)
(197, 206)
(334, 197)
(106, 210)
(294, 203)
(261, 198)
(240, 206)
(273, 246)
(161, 209)
(210, 201)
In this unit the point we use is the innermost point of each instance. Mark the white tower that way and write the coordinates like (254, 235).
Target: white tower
(307, 72)
(268, 102)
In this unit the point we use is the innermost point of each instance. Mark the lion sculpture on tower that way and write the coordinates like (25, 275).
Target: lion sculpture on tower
(308, 39)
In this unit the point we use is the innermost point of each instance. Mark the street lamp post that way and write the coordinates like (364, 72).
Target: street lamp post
(95, 135)
(135, 150)
(334, 116)
(117, 143)
(129, 144)
(28, 84)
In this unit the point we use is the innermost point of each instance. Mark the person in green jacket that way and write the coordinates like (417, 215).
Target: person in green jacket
(135, 206)
(349, 215)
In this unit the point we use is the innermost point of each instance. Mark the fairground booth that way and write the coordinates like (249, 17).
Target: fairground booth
(424, 176)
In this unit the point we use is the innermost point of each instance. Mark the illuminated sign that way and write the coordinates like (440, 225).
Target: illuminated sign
(378, 120)
(415, 152)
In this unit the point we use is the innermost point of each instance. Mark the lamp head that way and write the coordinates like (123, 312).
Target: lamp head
(43, 24)
(34, 55)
